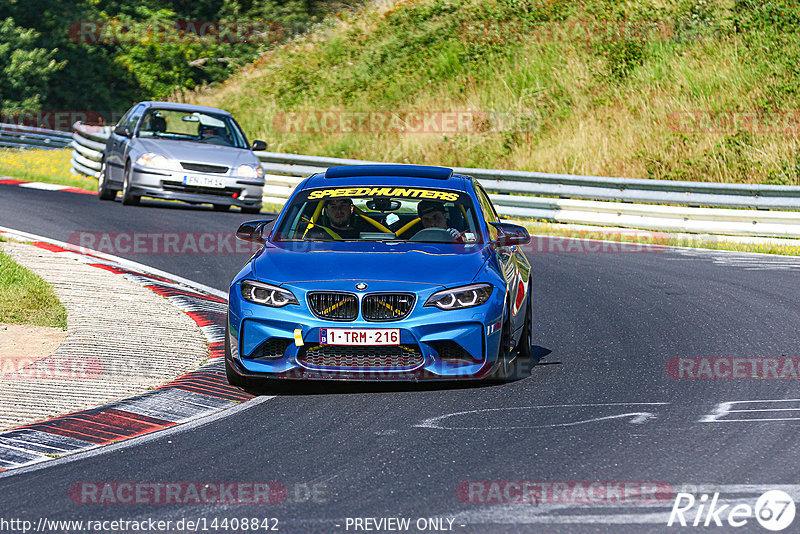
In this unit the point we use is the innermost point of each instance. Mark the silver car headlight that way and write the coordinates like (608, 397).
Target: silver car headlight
(250, 171)
(460, 297)
(266, 294)
(156, 161)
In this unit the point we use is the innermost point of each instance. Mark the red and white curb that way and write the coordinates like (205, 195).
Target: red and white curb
(45, 186)
(195, 395)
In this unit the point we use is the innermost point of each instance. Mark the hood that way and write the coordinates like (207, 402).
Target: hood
(197, 152)
(415, 263)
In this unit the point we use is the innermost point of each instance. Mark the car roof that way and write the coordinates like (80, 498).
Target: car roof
(183, 107)
(389, 174)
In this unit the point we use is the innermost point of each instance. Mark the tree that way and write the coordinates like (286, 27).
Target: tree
(25, 70)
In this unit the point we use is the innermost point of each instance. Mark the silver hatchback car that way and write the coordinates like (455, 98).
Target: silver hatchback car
(182, 152)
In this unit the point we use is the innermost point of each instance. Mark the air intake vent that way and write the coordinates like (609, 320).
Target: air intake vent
(333, 358)
(272, 349)
(452, 352)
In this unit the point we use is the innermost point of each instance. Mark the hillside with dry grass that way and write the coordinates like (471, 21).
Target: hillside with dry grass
(685, 90)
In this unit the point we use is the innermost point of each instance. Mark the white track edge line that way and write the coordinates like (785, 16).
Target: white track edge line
(98, 450)
(122, 261)
(200, 419)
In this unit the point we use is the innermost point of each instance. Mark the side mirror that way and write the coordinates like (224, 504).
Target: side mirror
(123, 131)
(252, 231)
(509, 235)
(258, 146)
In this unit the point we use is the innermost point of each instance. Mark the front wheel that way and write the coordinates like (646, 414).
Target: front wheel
(525, 349)
(104, 191)
(128, 198)
(507, 360)
(526, 339)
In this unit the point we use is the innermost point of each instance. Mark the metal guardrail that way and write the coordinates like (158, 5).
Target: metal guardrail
(693, 207)
(16, 136)
(88, 143)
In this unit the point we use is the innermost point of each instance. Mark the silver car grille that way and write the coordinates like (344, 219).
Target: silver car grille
(204, 167)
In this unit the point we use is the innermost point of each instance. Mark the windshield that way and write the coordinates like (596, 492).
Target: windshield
(380, 213)
(208, 128)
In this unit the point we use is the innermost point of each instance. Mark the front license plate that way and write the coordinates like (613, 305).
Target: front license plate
(347, 336)
(204, 181)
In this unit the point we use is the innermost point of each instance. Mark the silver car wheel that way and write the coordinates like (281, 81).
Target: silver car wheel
(128, 198)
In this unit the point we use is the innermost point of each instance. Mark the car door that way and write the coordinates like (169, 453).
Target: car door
(118, 145)
(512, 260)
(127, 142)
(112, 153)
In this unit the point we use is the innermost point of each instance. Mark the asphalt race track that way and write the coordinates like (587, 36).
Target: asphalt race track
(601, 406)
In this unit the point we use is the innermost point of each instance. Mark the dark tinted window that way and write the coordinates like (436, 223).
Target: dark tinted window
(134, 116)
(487, 209)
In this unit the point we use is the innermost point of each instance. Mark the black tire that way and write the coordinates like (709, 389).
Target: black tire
(525, 349)
(234, 378)
(104, 191)
(220, 207)
(526, 339)
(128, 198)
(252, 210)
(506, 370)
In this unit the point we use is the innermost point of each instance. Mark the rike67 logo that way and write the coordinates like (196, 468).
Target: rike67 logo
(774, 510)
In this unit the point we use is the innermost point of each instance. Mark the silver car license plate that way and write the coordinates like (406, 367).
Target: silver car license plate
(204, 181)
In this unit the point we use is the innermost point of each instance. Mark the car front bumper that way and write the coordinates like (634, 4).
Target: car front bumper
(439, 345)
(168, 185)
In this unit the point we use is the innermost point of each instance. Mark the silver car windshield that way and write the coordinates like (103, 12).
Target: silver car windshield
(207, 128)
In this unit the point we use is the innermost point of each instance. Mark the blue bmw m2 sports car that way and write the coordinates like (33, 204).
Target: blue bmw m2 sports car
(381, 272)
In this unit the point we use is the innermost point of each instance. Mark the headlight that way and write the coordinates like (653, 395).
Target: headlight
(460, 297)
(250, 171)
(261, 293)
(153, 160)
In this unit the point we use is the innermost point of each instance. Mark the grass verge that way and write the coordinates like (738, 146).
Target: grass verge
(49, 166)
(27, 299)
(678, 89)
